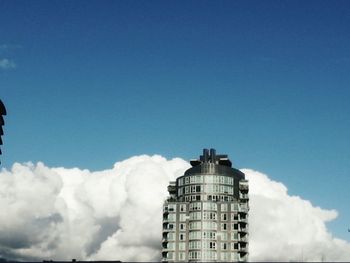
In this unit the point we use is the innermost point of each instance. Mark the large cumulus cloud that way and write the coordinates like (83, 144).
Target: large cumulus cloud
(115, 214)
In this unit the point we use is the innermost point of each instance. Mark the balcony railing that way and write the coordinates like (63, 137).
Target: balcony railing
(243, 196)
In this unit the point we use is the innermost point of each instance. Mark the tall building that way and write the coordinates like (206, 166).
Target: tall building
(205, 217)
(2, 122)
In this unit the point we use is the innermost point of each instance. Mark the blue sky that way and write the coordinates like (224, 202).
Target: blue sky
(267, 82)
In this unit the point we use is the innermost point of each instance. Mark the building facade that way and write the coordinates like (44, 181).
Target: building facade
(205, 217)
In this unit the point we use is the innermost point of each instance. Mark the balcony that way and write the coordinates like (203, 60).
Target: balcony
(243, 239)
(243, 196)
(243, 229)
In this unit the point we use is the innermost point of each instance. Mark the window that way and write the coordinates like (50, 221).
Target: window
(182, 256)
(170, 255)
(234, 256)
(234, 207)
(209, 245)
(234, 246)
(223, 246)
(234, 216)
(234, 236)
(187, 181)
(209, 206)
(182, 226)
(209, 215)
(171, 245)
(195, 244)
(208, 235)
(224, 256)
(235, 226)
(209, 255)
(192, 179)
(195, 206)
(182, 217)
(223, 217)
(223, 226)
(182, 208)
(171, 218)
(223, 236)
(171, 236)
(194, 255)
(209, 225)
(224, 207)
(187, 189)
(172, 207)
(195, 216)
(182, 236)
(209, 179)
(195, 225)
(195, 235)
(193, 189)
(199, 179)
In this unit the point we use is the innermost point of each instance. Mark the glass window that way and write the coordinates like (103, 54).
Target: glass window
(234, 236)
(209, 225)
(234, 256)
(195, 216)
(181, 182)
(171, 236)
(182, 236)
(182, 217)
(223, 226)
(234, 207)
(195, 225)
(192, 179)
(171, 245)
(195, 235)
(208, 235)
(223, 235)
(170, 255)
(172, 207)
(234, 216)
(209, 179)
(223, 246)
(209, 215)
(224, 256)
(234, 246)
(182, 226)
(182, 207)
(224, 217)
(195, 245)
(182, 256)
(209, 206)
(224, 207)
(199, 179)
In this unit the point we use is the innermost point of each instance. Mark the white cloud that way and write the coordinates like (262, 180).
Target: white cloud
(115, 214)
(7, 64)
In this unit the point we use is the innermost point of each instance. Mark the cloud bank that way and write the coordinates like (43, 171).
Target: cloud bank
(115, 214)
(7, 64)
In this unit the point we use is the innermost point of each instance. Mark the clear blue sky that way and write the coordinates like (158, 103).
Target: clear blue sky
(266, 82)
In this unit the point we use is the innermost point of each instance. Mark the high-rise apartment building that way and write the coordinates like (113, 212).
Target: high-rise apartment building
(205, 217)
